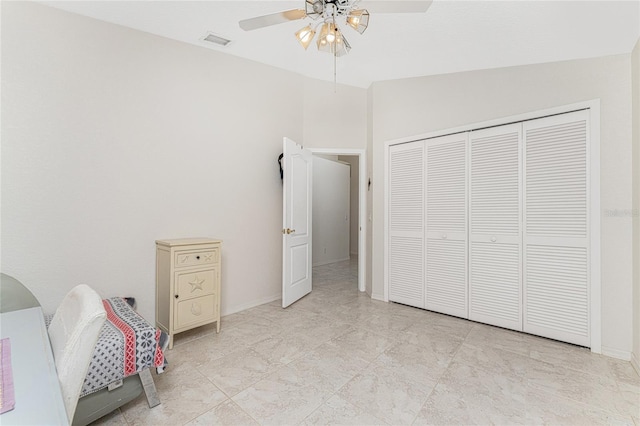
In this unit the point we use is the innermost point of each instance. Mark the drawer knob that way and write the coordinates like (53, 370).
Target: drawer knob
(493, 239)
(198, 257)
(176, 296)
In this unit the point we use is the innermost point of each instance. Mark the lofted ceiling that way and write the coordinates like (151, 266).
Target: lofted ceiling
(451, 36)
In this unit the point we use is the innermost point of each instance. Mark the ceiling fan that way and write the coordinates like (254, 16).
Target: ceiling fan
(328, 13)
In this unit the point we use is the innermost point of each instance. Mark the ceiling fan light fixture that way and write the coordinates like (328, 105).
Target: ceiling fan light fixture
(342, 46)
(358, 20)
(326, 37)
(314, 8)
(305, 35)
(331, 40)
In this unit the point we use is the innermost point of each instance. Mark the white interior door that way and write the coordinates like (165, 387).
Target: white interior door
(495, 251)
(406, 224)
(296, 222)
(556, 232)
(446, 225)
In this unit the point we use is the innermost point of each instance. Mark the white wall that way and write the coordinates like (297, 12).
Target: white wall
(331, 210)
(354, 189)
(113, 138)
(635, 78)
(334, 119)
(415, 106)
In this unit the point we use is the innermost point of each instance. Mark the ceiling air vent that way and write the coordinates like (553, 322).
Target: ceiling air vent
(216, 39)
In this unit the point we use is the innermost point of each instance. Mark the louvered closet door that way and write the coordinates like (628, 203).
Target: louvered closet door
(446, 225)
(495, 280)
(406, 224)
(556, 250)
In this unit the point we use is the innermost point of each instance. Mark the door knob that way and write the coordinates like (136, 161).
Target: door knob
(288, 231)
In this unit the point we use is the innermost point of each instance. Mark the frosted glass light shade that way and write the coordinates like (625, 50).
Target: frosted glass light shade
(331, 40)
(358, 20)
(326, 37)
(305, 35)
(342, 46)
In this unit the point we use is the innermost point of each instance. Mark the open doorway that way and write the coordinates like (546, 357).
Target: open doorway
(354, 233)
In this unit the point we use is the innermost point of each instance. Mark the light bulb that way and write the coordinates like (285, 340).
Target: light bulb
(331, 37)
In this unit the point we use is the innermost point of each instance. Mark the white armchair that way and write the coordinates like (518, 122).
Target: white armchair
(73, 334)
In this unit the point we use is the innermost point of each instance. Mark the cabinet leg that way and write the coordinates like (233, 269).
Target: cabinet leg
(218, 326)
(171, 341)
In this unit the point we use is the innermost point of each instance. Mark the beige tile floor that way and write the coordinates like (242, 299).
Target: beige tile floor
(338, 357)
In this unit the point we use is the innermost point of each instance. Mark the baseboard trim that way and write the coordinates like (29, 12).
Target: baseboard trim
(329, 262)
(252, 304)
(635, 361)
(616, 353)
(379, 297)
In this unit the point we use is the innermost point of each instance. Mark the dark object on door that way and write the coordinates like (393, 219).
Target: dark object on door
(280, 164)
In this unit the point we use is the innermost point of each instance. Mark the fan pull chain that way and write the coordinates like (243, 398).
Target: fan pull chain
(335, 78)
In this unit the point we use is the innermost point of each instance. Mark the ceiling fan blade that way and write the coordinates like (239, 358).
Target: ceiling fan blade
(272, 19)
(395, 6)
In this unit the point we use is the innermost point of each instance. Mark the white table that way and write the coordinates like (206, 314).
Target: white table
(37, 389)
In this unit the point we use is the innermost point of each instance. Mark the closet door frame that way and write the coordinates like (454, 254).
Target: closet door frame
(593, 106)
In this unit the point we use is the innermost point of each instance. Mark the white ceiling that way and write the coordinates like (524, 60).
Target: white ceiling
(452, 36)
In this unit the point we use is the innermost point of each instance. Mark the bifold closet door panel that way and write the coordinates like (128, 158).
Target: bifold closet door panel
(406, 224)
(495, 248)
(446, 225)
(556, 217)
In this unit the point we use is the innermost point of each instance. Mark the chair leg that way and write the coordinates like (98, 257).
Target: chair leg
(149, 387)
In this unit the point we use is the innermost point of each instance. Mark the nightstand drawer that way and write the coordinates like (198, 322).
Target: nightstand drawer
(195, 257)
(195, 284)
(195, 311)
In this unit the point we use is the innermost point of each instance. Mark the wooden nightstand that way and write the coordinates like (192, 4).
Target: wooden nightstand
(187, 284)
